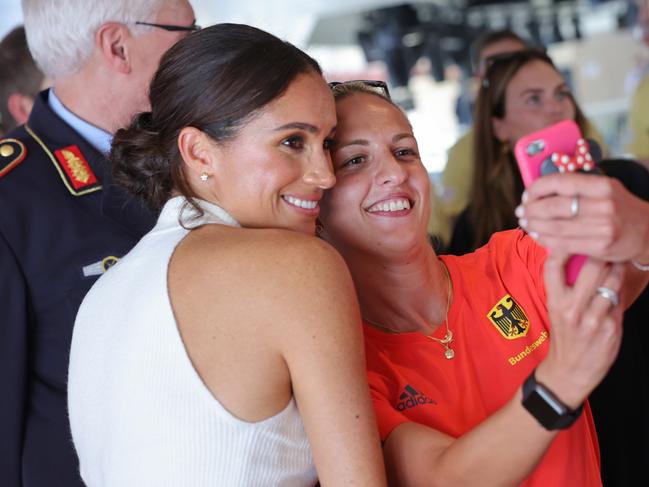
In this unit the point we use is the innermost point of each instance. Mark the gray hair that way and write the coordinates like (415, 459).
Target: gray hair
(61, 33)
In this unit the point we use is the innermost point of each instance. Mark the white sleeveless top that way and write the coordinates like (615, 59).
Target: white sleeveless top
(140, 414)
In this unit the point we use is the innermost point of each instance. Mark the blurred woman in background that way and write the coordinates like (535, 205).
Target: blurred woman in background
(521, 92)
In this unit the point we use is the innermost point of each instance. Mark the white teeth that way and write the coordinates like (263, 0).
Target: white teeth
(392, 205)
(306, 204)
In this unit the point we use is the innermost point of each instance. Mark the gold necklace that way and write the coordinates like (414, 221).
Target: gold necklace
(449, 353)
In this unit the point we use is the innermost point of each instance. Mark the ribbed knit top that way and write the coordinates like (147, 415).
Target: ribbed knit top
(139, 412)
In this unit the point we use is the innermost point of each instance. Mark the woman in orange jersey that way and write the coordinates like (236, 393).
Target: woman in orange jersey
(470, 384)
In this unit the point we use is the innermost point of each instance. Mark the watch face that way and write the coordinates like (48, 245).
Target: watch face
(550, 400)
(542, 410)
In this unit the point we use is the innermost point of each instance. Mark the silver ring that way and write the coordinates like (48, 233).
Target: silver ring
(609, 294)
(574, 206)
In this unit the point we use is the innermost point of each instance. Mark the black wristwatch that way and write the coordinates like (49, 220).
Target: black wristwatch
(546, 407)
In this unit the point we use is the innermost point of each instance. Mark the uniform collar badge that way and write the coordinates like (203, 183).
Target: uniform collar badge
(12, 153)
(75, 170)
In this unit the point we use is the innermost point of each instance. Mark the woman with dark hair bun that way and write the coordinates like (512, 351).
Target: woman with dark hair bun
(225, 348)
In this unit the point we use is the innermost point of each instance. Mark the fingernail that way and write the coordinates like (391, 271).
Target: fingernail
(520, 211)
(522, 223)
(534, 235)
(524, 197)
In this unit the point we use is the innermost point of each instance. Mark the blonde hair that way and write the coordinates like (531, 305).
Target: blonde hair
(346, 88)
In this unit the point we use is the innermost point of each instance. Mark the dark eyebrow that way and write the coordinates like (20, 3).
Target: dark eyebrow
(561, 86)
(307, 127)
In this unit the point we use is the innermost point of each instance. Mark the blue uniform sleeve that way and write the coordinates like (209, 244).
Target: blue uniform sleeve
(13, 364)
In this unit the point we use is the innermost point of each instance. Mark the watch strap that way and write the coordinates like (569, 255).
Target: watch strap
(546, 407)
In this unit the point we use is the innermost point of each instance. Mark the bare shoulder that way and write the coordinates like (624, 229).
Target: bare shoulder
(280, 267)
(260, 252)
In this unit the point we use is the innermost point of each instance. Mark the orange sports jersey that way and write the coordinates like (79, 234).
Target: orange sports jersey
(501, 332)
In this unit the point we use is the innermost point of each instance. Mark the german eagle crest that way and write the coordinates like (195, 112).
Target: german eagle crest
(509, 318)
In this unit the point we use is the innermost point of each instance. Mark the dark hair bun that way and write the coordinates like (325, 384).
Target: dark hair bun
(139, 164)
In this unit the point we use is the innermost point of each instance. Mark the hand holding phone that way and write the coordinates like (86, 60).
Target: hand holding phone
(557, 148)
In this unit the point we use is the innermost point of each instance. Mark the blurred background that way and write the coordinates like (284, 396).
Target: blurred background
(422, 49)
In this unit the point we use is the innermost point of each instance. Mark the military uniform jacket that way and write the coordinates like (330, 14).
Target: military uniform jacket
(62, 223)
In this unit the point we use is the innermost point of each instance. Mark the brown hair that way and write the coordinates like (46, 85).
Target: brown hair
(497, 184)
(19, 74)
(215, 80)
(489, 38)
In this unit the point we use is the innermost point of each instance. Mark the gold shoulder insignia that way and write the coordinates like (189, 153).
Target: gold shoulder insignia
(509, 318)
(12, 153)
(72, 167)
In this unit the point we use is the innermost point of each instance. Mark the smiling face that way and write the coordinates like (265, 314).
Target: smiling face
(380, 201)
(536, 97)
(272, 174)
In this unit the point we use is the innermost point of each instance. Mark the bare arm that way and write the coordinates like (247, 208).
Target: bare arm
(323, 348)
(277, 318)
(585, 339)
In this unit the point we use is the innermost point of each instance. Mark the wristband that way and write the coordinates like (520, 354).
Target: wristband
(547, 408)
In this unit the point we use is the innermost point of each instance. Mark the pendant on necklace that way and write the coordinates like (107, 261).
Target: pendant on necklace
(449, 353)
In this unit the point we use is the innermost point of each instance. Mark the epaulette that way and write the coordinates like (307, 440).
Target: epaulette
(12, 153)
(72, 166)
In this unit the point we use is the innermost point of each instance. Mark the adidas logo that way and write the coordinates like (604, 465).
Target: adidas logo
(410, 398)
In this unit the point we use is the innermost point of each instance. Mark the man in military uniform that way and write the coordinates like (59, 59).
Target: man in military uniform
(62, 222)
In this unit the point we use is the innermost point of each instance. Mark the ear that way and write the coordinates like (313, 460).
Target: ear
(198, 153)
(500, 129)
(20, 106)
(112, 41)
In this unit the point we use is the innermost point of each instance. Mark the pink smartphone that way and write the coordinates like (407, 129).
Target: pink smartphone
(557, 148)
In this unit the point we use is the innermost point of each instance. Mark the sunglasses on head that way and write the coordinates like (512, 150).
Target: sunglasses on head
(380, 87)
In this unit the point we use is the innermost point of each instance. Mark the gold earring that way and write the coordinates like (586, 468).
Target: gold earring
(204, 176)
